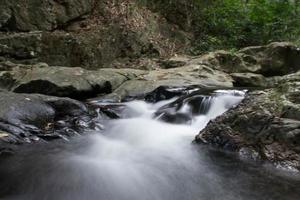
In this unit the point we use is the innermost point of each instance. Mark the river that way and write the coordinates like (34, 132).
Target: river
(140, 157)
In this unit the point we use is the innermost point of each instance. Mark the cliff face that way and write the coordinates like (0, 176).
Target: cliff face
(90, 34)
(33, 15)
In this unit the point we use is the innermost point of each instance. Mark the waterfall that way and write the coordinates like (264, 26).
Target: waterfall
(139, 156)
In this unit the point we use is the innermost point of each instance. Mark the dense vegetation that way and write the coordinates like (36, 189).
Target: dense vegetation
(233, 24)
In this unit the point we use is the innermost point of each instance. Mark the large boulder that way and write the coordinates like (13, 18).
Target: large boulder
(265, 126)
(28, 118)
(250, 80)
(188, 75)
(80, 83)
(31, 15)
(74, 82)
(275, 59)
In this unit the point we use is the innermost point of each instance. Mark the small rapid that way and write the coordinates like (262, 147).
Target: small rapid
(142, 157)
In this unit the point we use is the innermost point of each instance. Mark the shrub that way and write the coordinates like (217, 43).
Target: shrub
(240, 23)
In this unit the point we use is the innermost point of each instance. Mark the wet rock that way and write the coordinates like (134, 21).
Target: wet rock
(175, 118)
(28, 118)
(183, 109)
(164, 93)
(266, 124)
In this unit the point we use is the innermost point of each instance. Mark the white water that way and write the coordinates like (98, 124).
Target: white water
(143, 158)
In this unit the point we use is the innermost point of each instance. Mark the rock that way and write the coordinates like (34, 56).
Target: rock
(175, 118)
(28, 118)
(164, 93)
(249, 80)
(31, 15)
(223, 60)
(175, 11)
(266, 124)
(79, 83)
(21, 46)
(74, 82)
(174, 62)
(110, 33)
(90, 50)
(278, 58)
(199, 75)
(192, 102)
(275, 59)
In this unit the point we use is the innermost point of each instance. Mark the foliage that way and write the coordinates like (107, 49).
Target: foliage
(229, 24)
(239, 23)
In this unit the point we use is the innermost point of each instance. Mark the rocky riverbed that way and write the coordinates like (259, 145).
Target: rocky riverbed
(265, 126)
(66, 72)
(143, 147)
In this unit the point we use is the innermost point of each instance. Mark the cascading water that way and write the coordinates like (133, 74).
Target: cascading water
(141, 157)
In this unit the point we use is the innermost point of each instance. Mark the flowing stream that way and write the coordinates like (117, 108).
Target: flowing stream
(140, 157)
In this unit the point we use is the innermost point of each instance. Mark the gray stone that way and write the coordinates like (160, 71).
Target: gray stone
(266, 123)
(32, 15)
(27, 118)
(74, 82)
(249, 80)
(188, 75)
(275, 59)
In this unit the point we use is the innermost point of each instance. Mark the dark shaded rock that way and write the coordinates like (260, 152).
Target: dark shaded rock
(196, 103)
(91, 50)
(183, 109)
(84, 33)
(249, 80)
(176, 11)
(28, 118)
(175, 118)
(278, 58)
(20, 15)
(21, 46)
(165, 93)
